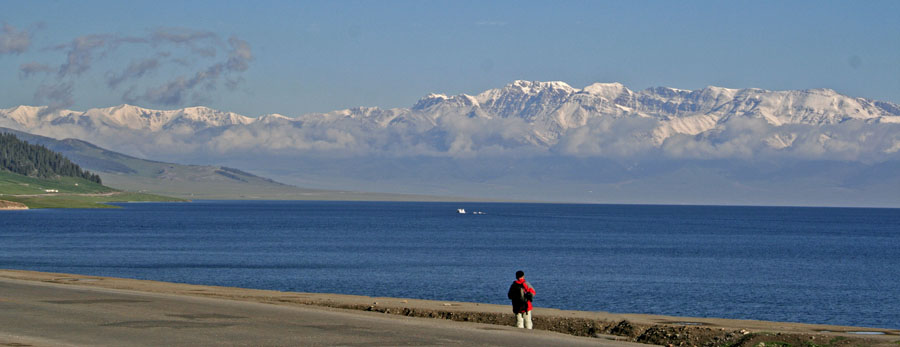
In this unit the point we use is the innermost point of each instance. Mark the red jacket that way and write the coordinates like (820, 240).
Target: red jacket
(528, 289)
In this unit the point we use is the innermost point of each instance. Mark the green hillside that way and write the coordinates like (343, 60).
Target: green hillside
(12, 183)
(32, 160)
(185, 181)
(65, 192)
(193, 182)
(40, 178)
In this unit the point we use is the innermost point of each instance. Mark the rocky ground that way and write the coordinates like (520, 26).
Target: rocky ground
(649, 329)
(672, 334)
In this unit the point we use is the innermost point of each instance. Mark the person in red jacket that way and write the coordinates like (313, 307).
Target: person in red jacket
(521, 293)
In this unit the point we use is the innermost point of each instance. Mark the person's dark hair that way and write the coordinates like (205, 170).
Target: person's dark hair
(520, 274)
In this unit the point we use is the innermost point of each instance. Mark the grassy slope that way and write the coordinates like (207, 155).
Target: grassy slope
(198, 182)
(191, 181)
(11, 183)
(186, 181)
(204, 181)
(31, 192)
(77, 201)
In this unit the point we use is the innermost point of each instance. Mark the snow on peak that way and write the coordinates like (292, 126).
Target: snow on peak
(609, 91)
(124, 116)
(523, 89)
(524, 112)
(23, 109)
(429, 100)
(461, 100)
(26, 115)
(127, 116)
(666, 92)
(468, 98)
(273, 118)
(212, 117)
(719, 90)
(604, 85)
(822, 91)
(529, 87)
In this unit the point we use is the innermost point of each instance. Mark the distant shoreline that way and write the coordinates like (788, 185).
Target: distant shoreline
(12, 206)
(653, 329)
(71, 200)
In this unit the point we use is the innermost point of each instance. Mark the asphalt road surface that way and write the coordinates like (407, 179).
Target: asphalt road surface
(47, 314)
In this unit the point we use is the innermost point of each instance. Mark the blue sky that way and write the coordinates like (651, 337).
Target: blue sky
(297, 57)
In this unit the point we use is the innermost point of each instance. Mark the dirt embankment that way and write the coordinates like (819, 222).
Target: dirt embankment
(650, 329)
(11, 205)
(671, 334)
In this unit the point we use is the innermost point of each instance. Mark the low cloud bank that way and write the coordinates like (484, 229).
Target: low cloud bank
(627, 139)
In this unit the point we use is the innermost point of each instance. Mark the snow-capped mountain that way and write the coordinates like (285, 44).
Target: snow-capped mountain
(125, 117)
(605, 119)
(538, 141)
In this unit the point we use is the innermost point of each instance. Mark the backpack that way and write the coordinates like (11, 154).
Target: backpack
(516, 292)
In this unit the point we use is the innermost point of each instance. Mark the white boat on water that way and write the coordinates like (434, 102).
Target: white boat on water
(461, 211)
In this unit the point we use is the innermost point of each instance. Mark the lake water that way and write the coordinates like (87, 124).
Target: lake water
(814, 265)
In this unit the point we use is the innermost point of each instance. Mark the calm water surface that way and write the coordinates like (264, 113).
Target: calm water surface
(815, 265)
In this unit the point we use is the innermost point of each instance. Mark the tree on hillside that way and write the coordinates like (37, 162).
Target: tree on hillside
(37, 161)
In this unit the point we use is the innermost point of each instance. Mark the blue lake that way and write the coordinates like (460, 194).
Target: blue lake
(813, 265)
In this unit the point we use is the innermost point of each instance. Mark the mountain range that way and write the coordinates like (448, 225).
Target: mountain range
(534, 140)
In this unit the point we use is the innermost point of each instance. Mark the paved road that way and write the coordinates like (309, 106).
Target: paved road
(34, 313)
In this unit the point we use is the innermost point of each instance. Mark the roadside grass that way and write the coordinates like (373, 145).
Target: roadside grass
(774, 344)
(65, 192)
(80, 201)
(836, 340)
(11, 183)
(138, 197)
(56, 202)
(806, 344)
(762, 339)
